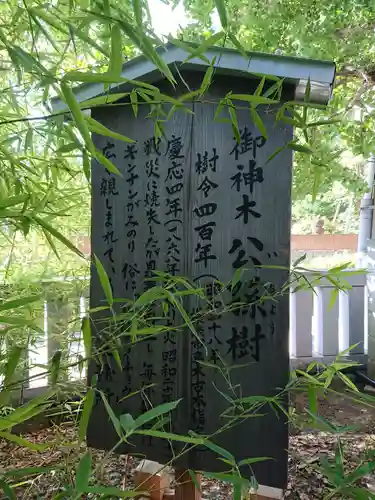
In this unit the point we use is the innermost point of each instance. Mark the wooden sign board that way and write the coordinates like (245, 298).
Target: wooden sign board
(197, 204)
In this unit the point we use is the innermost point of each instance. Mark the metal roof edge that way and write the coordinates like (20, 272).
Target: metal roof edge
(291, 68)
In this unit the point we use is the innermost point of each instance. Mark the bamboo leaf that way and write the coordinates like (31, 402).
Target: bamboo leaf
(324, 122)
(107, 163)
(333, 297)
(313, 401)
(234, 121)
(137, 6)
(90, 77)
(299, 147)
(115, 421)
(86, 412)
(51, 243)
(29, 471)
(55, 366)
(170, 436)
(86, 38)
(86, 165)
(206, 82)
(11, 201)
(195, 480)
(23, 442)
(67, 148)
(78, 116)
(109, 491)
(115, 63)
(87, 338)
(98, 128)
(222, 11)
(83, 472)
(149, 296)
(260, 86)
(253, 98)
(155, 412)
(236, 277)
(13, 358)
(17, 303)
(258, 122)
(117, 358)
(14, 320)
(8, 490)
(212, 40)
(220, 451)
(50, 229)
(134, 102)
(188, 48)
(51, 20)
(127, 422)
(238, 46)
(103, 99)
(104, 280)
(347, 381)
(255, 460)
(34, 407)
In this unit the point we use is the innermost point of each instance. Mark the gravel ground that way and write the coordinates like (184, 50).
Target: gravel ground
(306, 449)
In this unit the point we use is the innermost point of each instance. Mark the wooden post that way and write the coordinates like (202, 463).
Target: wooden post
(267, 493)
(185, 488)
(150, 477)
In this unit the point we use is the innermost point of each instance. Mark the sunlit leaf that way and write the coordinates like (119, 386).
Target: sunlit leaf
(206, 82)
(134, 102)
(137, 6)
(333, 298)
(78, 116)
(21, 302)
(212, 40)
(222, 11)
(98, 128)
(104, 280)
(115, 63)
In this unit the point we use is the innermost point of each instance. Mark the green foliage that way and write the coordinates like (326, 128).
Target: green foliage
(319, 30)
(44, 188)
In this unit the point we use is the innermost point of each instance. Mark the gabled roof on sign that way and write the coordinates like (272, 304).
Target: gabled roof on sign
(228, 61)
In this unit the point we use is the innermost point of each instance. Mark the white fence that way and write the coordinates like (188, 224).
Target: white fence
(319, 328)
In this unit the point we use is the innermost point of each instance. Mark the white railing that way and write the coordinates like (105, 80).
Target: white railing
(319, 328)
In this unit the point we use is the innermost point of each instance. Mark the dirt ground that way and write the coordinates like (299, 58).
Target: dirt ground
(305, 450)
